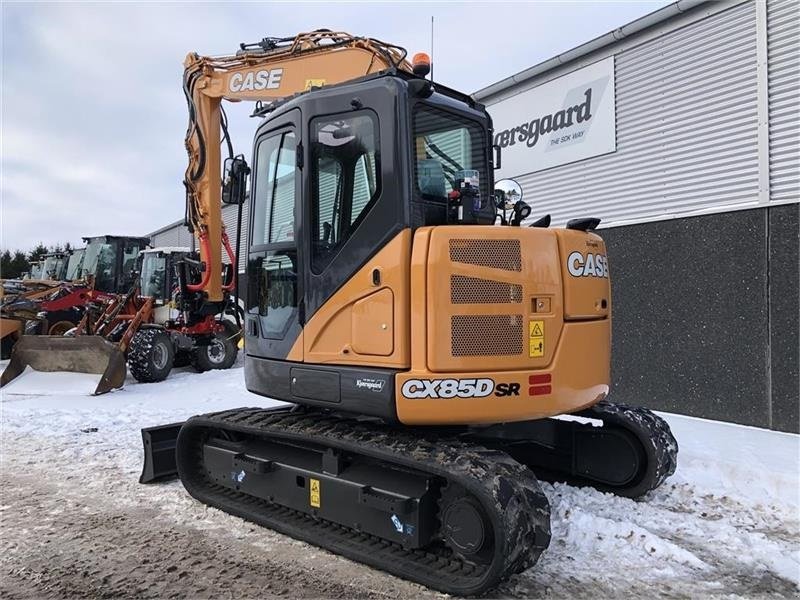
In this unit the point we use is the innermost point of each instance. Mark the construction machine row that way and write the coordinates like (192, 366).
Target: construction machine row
(122, 307)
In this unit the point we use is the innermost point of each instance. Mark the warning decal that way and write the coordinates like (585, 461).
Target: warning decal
(313, 493)
(536, 330)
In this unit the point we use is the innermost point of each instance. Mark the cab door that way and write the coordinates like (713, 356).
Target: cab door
(273, 321)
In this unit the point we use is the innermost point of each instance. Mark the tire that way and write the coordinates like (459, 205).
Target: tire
(7, 346)
(150, 355)
(61, 328)
(232, 331)
(183, 358)
(220, 353)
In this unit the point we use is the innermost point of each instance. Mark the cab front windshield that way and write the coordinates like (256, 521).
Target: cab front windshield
(74, 264)
(52, 267)
(446, 146)
(153, 280)
(100, 260)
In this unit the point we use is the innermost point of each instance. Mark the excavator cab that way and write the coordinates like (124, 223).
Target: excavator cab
(344, 181)
(340, 173)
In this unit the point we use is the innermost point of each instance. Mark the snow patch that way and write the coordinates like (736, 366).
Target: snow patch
(39, 383)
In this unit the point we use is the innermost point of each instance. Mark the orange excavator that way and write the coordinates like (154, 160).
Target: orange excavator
(428, 341)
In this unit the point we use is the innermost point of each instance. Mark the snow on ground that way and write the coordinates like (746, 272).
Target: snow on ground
(726, 524)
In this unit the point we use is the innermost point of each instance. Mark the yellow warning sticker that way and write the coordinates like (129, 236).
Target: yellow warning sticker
(536, 341)
(313, 493)
(314, 83)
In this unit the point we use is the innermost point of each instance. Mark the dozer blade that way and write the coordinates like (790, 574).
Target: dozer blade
(80, 354)
(159, 452)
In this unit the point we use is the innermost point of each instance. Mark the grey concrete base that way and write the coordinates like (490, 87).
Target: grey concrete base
(706, 316)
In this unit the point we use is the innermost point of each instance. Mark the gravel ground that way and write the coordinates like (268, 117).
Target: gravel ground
(75, 522)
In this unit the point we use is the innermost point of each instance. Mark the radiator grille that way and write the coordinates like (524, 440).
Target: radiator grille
(486, 335)
(498, 254)
(473, 290)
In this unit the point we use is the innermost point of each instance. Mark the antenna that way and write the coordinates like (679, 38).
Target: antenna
(431, 47)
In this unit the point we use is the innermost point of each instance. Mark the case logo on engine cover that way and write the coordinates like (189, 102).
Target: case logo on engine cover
(592, 265)
(457, 388)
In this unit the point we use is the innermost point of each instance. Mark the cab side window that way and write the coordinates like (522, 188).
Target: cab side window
(345, 180)
(273, 206)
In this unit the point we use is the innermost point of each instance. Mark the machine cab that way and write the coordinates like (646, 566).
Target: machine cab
(340, 175)
(111, 260)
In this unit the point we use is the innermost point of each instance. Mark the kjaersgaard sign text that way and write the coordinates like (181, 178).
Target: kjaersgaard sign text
(564, 120)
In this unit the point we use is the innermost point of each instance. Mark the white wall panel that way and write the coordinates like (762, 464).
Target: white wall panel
(783, 67)
(686, 106)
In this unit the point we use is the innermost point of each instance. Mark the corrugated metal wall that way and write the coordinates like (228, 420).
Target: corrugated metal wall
(229, 214)
(686, 107)
(177, 235)
(783, 64)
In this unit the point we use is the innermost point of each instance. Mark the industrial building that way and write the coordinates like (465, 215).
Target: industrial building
(688, 152)
(680, 131)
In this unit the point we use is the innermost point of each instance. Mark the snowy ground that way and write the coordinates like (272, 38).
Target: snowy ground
(75, 522)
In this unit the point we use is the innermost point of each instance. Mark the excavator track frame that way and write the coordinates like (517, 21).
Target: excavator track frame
(507, 491)
(631, 453)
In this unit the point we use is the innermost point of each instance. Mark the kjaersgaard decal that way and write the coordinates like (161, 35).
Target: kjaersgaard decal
(373, 385)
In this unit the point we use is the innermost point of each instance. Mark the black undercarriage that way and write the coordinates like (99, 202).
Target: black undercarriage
(456, 509)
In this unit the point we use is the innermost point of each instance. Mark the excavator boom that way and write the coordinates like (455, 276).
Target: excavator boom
(267, 71)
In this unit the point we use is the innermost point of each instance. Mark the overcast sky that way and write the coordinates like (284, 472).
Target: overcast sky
(93, 115)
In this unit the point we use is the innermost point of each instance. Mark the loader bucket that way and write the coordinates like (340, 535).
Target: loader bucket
(80, 354)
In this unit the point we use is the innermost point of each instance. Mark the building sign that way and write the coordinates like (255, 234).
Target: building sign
(558, 122)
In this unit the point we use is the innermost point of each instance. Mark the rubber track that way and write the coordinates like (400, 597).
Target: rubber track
(653, 432)
(509, 492)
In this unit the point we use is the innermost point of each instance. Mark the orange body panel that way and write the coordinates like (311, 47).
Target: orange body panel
(488, 314)
(486, 324)
(372, 324)
(579, 378)
(349, 328)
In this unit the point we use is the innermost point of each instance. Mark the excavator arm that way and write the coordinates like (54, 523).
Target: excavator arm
(267, 71)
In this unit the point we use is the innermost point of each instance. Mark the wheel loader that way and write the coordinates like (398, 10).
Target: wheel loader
(98, 273)
(427, 341)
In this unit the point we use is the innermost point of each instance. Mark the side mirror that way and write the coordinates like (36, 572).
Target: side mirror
(508, 191)
(234, 180)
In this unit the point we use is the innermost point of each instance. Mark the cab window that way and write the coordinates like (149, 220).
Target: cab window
(273, 204)
(344, 180)
(446, 146)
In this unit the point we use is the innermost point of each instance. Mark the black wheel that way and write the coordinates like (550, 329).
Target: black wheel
(7, 346)
(150, 355)
(465, 528)
(232, 331)
(183, 358)
(61, 327)
(219, 353)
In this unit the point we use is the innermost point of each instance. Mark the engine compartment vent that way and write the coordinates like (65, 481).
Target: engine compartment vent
(486, 335)
(474, 290)
(497, 254)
